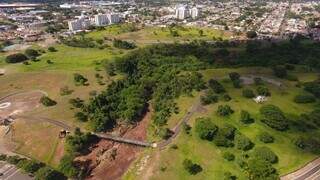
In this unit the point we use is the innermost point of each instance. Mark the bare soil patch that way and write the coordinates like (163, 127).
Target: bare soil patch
(20, 103)
(112, 159)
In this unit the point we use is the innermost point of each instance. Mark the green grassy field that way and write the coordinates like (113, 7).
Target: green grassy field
(150, 35)
(210, 157)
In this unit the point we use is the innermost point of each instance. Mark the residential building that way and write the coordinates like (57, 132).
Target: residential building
(182, 12)
(101, 19)
(194, 12)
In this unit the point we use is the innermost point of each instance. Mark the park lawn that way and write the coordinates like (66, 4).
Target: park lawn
(35, 139)
(151, 35)
(70, 58)
(50, 82)
(210, 157)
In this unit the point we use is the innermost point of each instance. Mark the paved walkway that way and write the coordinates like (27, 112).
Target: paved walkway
(311, 171)
(10, 172)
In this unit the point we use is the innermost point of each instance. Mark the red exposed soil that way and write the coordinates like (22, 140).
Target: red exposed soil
(104, 165)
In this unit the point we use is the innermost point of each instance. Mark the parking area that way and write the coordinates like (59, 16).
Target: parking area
(10, 172)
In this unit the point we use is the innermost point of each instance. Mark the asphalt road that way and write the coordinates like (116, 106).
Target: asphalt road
(10, 172)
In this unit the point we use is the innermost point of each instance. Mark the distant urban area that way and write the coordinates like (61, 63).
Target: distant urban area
(32, 22)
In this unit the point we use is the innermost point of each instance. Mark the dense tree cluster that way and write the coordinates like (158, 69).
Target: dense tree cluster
(304, 98)
(191, 167)
(260, 169)
(248, 93)
(242, 142)
(274, 117)
(16, 58)
(263, 91)
(224, 110)
(280, 71)
(235, 78)
(205, 128)
(266, 137)
(266, 154)
(121, 44)
(216, 86)
(245, 117)
(225, 136)
(209, 98)
(313, 87)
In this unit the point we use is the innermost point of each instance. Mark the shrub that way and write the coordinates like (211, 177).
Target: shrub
(263, 91)
(79, 79)
(308, 144)
(280, 71)
(13, 160)
(205, 128)
(266, 154)
(266, 137)
(216, 86)
(52, 49)
(290, 66)
(236, 83)
(80, 116)
(46, 173)
(224, 110)
(30, 166)
(313, 88)
(234, 76)
(229, 176)
(77, 102)
(3, 157)
(31, 53)
(258, 81)
(209, 98)
(251, 34)
(242, 142)
(304, 98)
(123, 44)
(274, 117)
(248, 93)
(221, 141)
(191, 167)
(226, 97)
(65, 91)
(46, 101)
(165, 133)
(245, 117)
(67, 166)
(16, 58)
(314, 117)
(228, 156)
(186, 128)
(227, 131)
(291, 77)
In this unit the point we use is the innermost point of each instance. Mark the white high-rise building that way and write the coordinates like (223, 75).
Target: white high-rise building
(194, 12)
(101, 19)
(79, 24)
(182, 12)
(75, 25)
(113, 18)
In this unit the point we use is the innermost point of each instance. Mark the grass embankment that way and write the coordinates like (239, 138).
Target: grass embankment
(210, 157)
